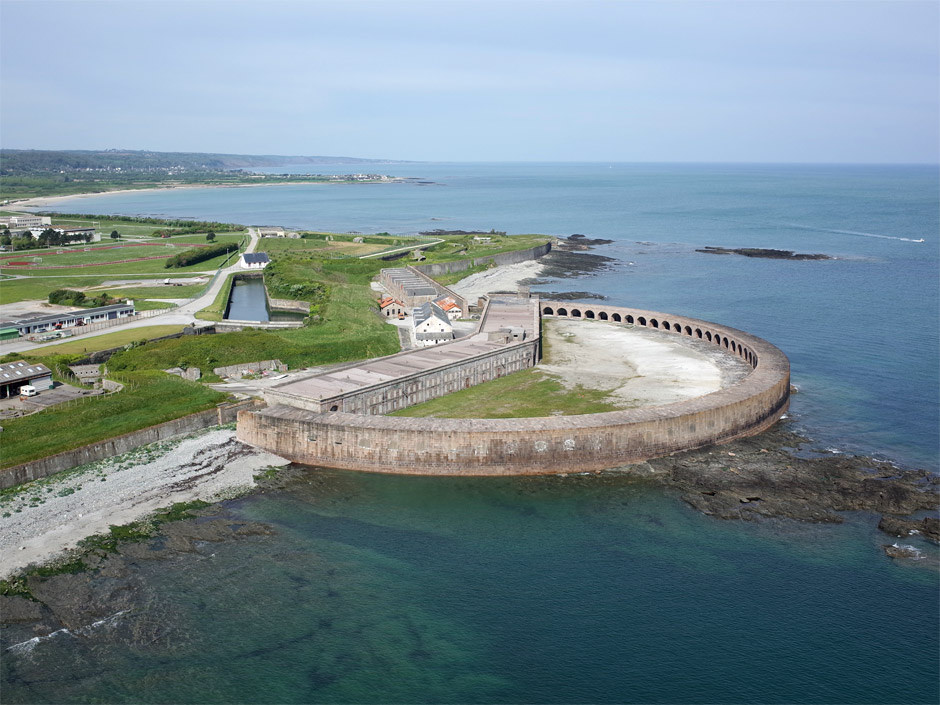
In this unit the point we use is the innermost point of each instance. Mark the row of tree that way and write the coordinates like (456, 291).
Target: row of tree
(47, 238)
(189, 257)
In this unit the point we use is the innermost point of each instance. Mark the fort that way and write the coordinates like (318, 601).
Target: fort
(337, 419)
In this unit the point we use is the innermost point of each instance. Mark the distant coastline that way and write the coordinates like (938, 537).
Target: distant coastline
(46, 201)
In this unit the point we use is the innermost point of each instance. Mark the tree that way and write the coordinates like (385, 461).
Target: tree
(87, 237)
(210, 236)
(5, 238)
(115, 235)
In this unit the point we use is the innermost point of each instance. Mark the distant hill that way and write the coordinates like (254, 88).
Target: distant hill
(34, 161)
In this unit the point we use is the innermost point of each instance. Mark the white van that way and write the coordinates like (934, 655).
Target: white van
(28, 390)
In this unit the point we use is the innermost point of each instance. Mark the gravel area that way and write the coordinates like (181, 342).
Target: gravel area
(505, 278)
(638, 366)
(48, 516)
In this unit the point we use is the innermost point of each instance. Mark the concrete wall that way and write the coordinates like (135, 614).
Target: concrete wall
(36, 469)
(539, 445)
(232, 370)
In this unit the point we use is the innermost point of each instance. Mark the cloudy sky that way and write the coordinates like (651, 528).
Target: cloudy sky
(783, 81)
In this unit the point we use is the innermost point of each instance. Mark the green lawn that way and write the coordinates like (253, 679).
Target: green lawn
(522, 394)
(106, 226)
(106, 341)
(163, 291)
(149, 398)
(153, 266)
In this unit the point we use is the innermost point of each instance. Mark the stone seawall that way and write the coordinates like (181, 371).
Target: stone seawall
(438, 268)
(36, 469)
(540, 445)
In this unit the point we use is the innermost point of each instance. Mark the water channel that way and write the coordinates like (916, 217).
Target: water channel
(249, 302)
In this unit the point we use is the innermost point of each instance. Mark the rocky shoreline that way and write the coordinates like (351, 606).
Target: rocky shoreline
(762, 253)
(769, 476)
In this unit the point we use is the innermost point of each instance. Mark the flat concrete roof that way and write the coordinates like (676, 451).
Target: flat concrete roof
(502, 312)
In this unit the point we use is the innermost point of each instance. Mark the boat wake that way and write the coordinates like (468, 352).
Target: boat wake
(852, 232)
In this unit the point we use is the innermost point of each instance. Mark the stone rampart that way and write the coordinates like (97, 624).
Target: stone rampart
(36, 469)
(436, 269)
(540, 445)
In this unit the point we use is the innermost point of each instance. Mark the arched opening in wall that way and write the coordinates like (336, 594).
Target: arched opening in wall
(466, 383)
(589, 314)
(602, 315)
(547, 311)
(629, 319)
(334, 408)
(677, 328)
(499, 371)
(688, 331)
(734, 348)
(708, 336)
(641, 321)
(562, 312)
(725, 342)
(698, 333)
(617, 317)
(654, 323)
(575, 313)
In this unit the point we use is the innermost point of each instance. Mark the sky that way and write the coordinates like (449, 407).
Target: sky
(747, 81)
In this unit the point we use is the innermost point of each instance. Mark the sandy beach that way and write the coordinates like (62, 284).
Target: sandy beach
(47, 201)
(52, 515)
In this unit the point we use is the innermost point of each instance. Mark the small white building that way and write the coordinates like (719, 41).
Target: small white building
(431, 325)
(254, 260)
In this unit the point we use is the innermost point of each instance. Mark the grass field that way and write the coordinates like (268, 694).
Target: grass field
(106, 341)
(148, 398)
(153, 266)
(187, 291)
(106, 226)
(352, 249)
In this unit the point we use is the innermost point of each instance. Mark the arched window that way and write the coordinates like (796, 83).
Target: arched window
(602, 315)
(575, 313)
(548, 311)
(629, 319)
(641, 321)
(617, 317)
(654, 323)
(688, 331)
(708, 336)
(589, 314)
(562, 312)
(698, 333)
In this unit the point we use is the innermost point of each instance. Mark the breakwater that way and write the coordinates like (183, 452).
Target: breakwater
(540, 445)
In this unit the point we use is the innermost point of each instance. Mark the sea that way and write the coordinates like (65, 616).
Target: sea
(582, 589)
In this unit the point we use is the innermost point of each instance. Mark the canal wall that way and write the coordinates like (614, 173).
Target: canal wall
(540, 445)
(36, 469)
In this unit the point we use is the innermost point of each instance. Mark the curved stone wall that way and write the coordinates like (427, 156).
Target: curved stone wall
(559, 444)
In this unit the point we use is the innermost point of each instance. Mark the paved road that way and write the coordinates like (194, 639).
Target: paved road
(183, 315)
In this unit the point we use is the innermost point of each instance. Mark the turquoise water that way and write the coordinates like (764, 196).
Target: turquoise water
(587, 588)
(861, 331)
(545, 590)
